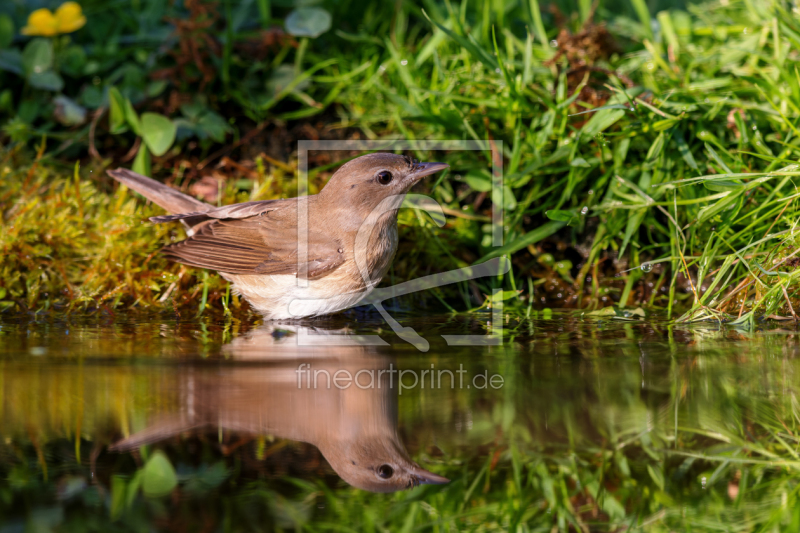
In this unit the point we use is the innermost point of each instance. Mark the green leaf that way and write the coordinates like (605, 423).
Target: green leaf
(640, 6)
(722, 185)
(68, 112)
(502, 296)
(657, 476)
(579, 162)
(308, 22)
(142, 162)
(133, 488)
(561, 215)
(158, 478)
(47, 80)
(37, 57)
(605, 311)
(507, 200)
(213, 126)
(684, 150)
(119, 488)
(11, 61)
(601, 121)
(6, 31)
(131, 117)
(116, 108)
(632, 226)
(724, 203)
(158, 132)
(479, 180)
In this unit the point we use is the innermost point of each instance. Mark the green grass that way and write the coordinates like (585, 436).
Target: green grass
(688, 165)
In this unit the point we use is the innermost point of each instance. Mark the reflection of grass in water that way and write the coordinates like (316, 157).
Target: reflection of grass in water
(598, 427)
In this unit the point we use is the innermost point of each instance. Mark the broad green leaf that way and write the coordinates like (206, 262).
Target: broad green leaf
(37, 57)
(142, 162)
(68, 112)
(479, 180)
(507, 200)
(158, 132)
(47, 80)
(131, 117)
(11, 61)
(116, 111)
(605, 311)
(119, 489)
(561, 215)
(158, 478)
(213, 126)
(308, 22)
(133, 488)
(501, 296)
(6, 31)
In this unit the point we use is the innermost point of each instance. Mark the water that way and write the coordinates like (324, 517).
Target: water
(152, 422)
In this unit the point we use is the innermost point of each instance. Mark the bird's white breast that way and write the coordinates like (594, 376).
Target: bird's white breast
(280, 297)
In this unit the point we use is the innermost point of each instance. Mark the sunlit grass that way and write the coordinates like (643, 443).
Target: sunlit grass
(687, 166)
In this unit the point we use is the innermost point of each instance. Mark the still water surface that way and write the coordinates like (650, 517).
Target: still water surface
(574, 423)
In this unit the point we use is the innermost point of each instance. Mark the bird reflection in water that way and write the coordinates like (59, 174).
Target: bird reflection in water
(354, 427)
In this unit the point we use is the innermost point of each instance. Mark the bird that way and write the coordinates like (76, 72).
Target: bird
(292, 395)
(350, 231)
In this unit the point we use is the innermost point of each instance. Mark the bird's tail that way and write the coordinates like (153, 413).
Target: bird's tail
(173, 201)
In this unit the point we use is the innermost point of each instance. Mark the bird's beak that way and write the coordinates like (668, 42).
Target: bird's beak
(426, 169)
(423, 477)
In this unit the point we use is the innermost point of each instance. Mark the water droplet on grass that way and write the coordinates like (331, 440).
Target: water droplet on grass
(646, 267)
(584, 210)
(554, 43)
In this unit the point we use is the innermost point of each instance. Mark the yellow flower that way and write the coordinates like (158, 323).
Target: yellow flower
(68, 18)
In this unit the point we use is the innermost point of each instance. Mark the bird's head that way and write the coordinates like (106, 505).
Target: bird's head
(365, 183)
(377, 464)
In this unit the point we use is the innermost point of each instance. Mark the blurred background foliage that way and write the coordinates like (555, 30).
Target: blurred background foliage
(649, 149)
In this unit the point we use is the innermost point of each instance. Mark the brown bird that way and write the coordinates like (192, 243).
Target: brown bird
(353, 423)
(350, 230)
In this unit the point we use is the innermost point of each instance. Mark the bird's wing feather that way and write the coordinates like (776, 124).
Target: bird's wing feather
(236, 211)
(257, 245)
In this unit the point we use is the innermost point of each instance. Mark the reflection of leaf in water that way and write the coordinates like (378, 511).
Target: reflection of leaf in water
(620, 314)
(159, 476)
(207, 478)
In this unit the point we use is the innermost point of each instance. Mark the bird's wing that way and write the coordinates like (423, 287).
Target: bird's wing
(236, 211)
(257, 245)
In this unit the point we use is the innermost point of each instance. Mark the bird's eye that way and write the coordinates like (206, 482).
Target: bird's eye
(385, 471)
(385, 178)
